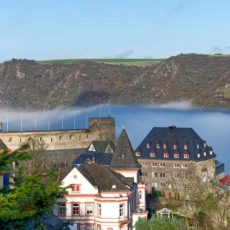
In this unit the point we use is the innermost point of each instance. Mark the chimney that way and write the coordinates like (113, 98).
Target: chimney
(93, 160)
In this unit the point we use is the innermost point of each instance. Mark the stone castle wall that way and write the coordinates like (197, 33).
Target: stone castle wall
(99, 129)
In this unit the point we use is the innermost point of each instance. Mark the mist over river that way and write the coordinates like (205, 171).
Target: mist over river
(212, 125)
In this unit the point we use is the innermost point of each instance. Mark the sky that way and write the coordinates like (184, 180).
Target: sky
(57, 29)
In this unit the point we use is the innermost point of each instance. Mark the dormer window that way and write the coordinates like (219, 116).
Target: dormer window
(205, 144)
(152, 154)
(148, 146)
(166, 155)
(158, 145)
(174, 146)
(176, 155)
(164, 146)
(185, 146)
(137, 153)
(186, 155)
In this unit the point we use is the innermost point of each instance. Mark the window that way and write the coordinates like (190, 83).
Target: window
(99, 209)
(198, 155)
(61, 209)
(164, 146)
(163, 185)
(158, 145)
(144, 173)
(144, 164)
(205, 144)
(185, 146)
(162, 165)
(210, 152)
(176, 175)
(186, 155)
(152, 154)
(166, 155)
(174, 146)
(198, 146)
(205, 154)
(148, 146)
(89, 227)
(154, 164)
(140, 194)
(75, 209)
(176, 155)
(138, 154)
(154, 184)
(184, 166)
(89, 209)
(154, 174)
(75, 188)
(176, 165)
(121, 210)
(162, 174)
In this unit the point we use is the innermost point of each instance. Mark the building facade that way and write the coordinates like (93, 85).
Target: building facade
(104, 194)
(169, 154)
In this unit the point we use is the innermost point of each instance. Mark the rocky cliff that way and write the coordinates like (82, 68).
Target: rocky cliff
(205, 80)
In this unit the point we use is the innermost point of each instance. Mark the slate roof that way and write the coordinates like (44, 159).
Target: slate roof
(99, 158)
(2, 145)
(101, 146)
(103, 177)
(123, 157)
(196, 147)
(63, 156)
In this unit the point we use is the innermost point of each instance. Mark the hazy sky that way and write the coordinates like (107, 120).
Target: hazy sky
(54, 29)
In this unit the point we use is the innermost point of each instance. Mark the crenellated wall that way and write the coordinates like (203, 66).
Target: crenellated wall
(99, 129)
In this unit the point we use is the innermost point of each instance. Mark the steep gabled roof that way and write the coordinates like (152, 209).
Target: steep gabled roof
(103, 177)
(123, 157)
(197, 148)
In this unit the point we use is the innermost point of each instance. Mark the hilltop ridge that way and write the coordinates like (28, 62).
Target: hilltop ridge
(203, 79)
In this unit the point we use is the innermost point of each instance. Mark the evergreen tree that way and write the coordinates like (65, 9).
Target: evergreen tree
(30, 198)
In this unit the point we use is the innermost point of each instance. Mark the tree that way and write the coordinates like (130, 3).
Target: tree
(163, 223)
(30, 198)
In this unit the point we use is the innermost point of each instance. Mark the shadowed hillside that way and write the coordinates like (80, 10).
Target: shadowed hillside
(41, 85)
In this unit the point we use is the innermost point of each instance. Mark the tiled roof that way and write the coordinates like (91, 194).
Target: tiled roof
(123, 157)
(62, 156)
(103, 177)
(225, 180)
(173, 143)
(98, 157)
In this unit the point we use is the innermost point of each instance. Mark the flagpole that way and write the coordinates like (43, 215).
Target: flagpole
(35, 125)
(7, 123)
(62, 122)
(21, 123)
(74, 121)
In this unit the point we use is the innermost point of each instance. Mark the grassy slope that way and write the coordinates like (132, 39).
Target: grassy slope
(129, 62)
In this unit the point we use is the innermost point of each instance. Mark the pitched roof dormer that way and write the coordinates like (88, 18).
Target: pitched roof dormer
(123, 157)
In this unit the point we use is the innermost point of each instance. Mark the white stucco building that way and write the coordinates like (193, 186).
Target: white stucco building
(104, 197)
